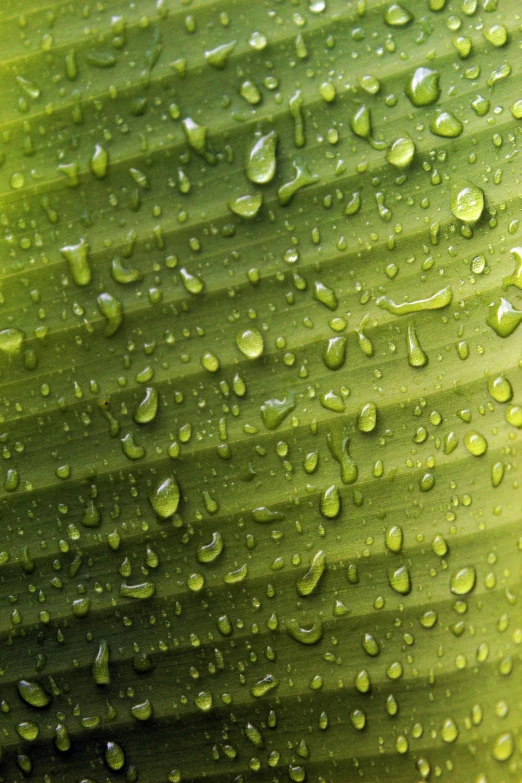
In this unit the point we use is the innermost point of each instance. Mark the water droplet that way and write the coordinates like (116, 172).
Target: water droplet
(423, 87)
(514, 416)
(114, 756)
(165, 498)
(330, 503)
(302, 177)
(17, 181)
(11, 340)
(142, 711)
(32, 693)
(437, 301)
(467, 204)
(370, 645)
(449, 731)
(138, 591)
(147, 408)
(400, 580)
(77, 256)
(91, 517)
(112, 310)
(339, 445)
(500, 388)
(100, 162)
(394, 538)
(309, 581)
(100, 666)
(196, 136)
(325, 295)
(250, 342)
(218, 57)
(502, 317)
(334, 354)
(305, 635)
(504, 746)
(475, 443)
(246, 206)
(401, 152)
(367, 419)
(210, 362)
(445, 124)
(274, 411)
(361, 123)
(207, 553)
(204, 701)
(192, 283)
(416, 356)
(463, 580)
(397, 16)
(264, 686)
(261, 158)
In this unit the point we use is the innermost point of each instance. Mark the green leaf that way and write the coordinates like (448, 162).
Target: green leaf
(261, 399)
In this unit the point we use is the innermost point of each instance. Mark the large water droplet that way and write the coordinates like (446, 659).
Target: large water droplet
(423, 87)
(165, 498)
(261, 158)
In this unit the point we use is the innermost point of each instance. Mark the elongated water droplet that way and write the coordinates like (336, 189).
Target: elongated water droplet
(437, 301)
(334, 354)
(246, 206)
(307, 634)
(218, 57)
(112, 310)
(192, 283)
(394, 538)
(100, 162)
(261, 158)
(367, 419)
(325, 295)
(309, 582)
(100, 666)
(264, 686)
(91, 516)
(302, 177)
(114, 756)
(416, 356)
(339, 446)
(361, 123)
(330, 503)
(32, 693)
(138, 591)
(503, 747)
(147, 409)
(77, 256)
